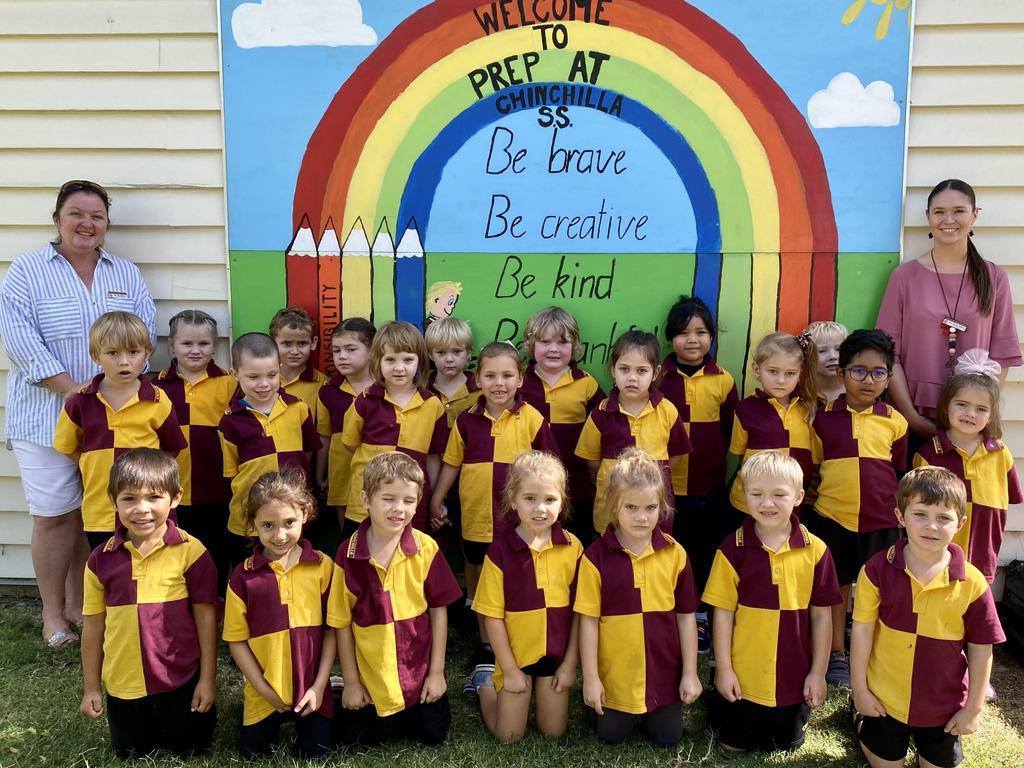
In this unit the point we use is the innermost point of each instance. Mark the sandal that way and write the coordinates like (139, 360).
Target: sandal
(62, 638)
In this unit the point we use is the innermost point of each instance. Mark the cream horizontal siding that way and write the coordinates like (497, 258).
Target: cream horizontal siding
(967, 121)
(126, 94)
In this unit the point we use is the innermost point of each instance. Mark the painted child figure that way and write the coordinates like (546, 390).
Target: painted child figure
(395, 413)
(200, 392)
(525, 595)
(161, 684)
(274, 622)
(636, 602)
(635, 414)
(565, 395)
(350, 347)
(862, 444)
(777, 417)
(772, 585)
(924, 623)
(388, 605)
(827, 335)
(264, 430)
(294, 333)
(968, 445)
(119, 409)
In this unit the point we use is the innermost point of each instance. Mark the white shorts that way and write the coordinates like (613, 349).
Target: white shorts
(52, 482)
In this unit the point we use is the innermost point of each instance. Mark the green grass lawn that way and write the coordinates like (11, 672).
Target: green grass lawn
(40, 726)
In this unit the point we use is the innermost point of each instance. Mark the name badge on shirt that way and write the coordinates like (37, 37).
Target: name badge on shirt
(117, 295)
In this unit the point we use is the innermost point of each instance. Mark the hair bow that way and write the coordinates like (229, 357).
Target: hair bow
(978, 362)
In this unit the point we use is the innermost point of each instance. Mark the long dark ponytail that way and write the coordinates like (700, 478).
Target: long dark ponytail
(976, 265)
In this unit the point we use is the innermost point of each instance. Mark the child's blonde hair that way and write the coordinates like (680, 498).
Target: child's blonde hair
(292, 317)
(530, 465)
(801, 347)
(120, 330)
(287, 487)
(552, 319)
(448, 332)
(388, 467)
(987, 384)
(773, 464)
(402, 337)
(634, 469)
(195, 317)
(499, 349)
(932, 485)
(823, 330)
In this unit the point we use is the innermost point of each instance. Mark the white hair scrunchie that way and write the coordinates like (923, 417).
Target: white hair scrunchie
(978, 362)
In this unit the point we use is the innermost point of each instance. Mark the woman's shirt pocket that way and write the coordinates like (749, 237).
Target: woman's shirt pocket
(59, 318)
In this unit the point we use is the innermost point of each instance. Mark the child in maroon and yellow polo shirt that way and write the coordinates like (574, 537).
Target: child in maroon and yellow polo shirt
(200, 392)
(565, 395)
(294, 333)
(924, 623)
(772, 585)
(274, 622)
(264, 429)
(862, 444)
(636, 601)
(388, 605)
(150, 627)
(118, 410)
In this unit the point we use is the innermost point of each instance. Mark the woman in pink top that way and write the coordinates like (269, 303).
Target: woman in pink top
(943, 303)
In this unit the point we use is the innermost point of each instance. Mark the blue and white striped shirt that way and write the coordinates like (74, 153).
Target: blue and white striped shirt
(45, 315)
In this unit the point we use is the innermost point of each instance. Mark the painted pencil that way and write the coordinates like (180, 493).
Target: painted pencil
(383, 262)
(301, 269)
(410, 276)
(356, 275)
(329, 279)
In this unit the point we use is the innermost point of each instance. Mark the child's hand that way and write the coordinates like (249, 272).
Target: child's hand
(433, 688)
(564, 678)
(516, 682)
(815, 689)
(354, 696)
(866, 703)
(310, 701)
(92, 704)
(438, 516)
(728, 684)
(963, 722)
(593, 694)
(204, 695)
(690, 688)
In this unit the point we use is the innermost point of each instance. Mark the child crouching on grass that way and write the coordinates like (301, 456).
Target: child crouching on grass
(772, 585)
(274, 621)
(388, 605)
(924, 623)
(150, 627)
(636, 601)
(525, 598)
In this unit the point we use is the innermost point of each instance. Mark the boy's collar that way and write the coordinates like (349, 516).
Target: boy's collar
(173, 535)
(708, 364)
(259, 560)
(878, 408)
(171, 371)
(237, 406)
(480, 406)
(146, 389)
(747, 536)
(611, 403)
(359, 545)
(573, 371)
(956, 568)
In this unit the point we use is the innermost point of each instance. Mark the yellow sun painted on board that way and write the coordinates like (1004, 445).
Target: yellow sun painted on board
(882, 28)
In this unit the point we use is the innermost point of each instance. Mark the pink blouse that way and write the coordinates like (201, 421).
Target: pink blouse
(912, 312)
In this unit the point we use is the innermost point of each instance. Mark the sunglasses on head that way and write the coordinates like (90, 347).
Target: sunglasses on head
(81, 185)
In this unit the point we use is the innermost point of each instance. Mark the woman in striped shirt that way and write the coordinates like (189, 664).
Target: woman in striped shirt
(48, 301)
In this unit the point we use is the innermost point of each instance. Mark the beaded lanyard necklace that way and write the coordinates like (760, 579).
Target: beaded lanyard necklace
(950, 325)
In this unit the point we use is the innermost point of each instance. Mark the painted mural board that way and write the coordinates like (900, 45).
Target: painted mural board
(487, 158)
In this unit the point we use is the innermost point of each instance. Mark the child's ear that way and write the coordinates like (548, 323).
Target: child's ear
(314, 341)
(960, 522)
(176, 499)
(799, 497)
(899, 518)
(364, 499)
